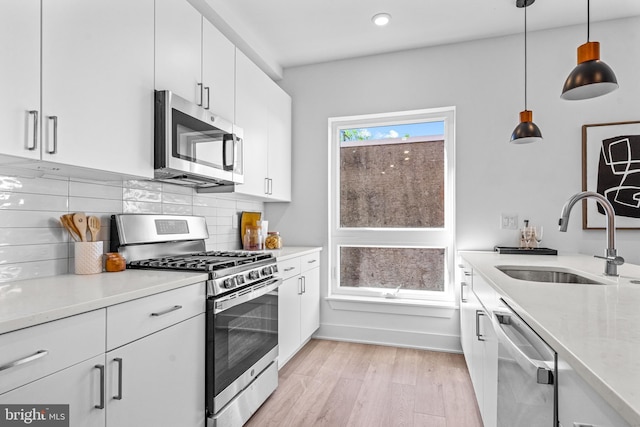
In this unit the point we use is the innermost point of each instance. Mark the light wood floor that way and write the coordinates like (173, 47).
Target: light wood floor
(330, 383)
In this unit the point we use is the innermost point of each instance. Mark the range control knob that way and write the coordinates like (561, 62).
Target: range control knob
(266, 271)
(254, 275)
(240, 280)
(229, 283)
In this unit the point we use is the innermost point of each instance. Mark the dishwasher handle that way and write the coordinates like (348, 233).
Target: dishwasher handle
(534, 367)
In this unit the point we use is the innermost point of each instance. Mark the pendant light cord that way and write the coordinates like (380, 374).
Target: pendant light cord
(588, 19)
(525, 56)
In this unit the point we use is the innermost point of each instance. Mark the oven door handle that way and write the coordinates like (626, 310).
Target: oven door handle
(226, 303)
(539, 369)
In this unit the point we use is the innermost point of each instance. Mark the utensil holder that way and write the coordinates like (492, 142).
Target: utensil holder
(88, 257)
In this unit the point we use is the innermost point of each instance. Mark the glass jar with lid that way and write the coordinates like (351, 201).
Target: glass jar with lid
(273, 240)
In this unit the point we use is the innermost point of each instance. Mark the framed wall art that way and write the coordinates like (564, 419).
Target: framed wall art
(611, 167)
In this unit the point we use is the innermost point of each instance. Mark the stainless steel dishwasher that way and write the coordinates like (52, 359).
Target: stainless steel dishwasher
(527, 372)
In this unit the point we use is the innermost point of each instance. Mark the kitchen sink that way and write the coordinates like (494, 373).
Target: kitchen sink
(545, 274)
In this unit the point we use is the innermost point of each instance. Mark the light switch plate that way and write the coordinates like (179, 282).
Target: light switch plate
(508, 221)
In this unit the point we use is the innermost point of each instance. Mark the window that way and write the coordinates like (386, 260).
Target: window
(391, 205)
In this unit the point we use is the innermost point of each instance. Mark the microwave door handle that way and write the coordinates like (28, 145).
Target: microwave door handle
(535, 368)
(228, 148)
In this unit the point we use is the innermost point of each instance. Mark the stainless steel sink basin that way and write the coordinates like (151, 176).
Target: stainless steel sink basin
(545, 274)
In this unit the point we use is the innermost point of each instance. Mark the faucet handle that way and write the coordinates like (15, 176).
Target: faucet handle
(616, 260)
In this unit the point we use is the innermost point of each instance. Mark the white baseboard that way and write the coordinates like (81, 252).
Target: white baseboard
(390, 337)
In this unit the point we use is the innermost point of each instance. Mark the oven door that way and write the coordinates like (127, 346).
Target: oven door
(194, 141)
(242, 341)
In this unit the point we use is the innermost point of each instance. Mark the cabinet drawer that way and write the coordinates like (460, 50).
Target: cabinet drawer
(289, 268)
(131, 320)
(49, 347)
(310, 261)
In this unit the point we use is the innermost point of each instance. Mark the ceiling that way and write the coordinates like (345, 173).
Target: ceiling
(287, 33)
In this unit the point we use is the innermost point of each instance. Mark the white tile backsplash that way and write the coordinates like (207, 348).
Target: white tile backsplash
(33, 243)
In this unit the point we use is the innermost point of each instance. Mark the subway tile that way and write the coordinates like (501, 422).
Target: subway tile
(129, 206)
(245, 205)
(144, 185)
(176, 189)
(34, 185)
(32, 236)
(141, 195)
(30, 270)
(224, 212)
(177, 199)
(32, 202)
(85, 204)
(170, 209)
(96, 191)
(205, 211)
(32, 219)
(28, 253)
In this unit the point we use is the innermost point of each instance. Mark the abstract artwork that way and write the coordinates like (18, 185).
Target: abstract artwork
(611, 167)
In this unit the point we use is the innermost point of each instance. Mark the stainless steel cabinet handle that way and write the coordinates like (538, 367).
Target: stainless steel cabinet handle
(55, 135)
(167, 311)
(478, 334)
(101, 369)
(300, 286)
(462, 286)
(118, 396)
(289, 269)
(311, 261)
(200, 89)
(304, 284)
(39, 354)
(266, 186)
(34, 113)
(208, 100)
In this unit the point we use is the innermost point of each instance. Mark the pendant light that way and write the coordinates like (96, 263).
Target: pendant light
(591, 77)
(526, 131)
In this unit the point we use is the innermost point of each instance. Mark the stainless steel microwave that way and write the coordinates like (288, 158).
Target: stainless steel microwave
(193, 146)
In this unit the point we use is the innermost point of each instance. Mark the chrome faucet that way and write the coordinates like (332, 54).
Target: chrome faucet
(610, 255)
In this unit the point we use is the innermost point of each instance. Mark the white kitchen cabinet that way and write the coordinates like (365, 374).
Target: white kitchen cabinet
(193, 59)
(19, 79)
(298, 304)
(263, 110)
(479, 342)
(57, 363)
(157, 377)
(95, 105)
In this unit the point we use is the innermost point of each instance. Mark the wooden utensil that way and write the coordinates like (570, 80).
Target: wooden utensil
(93, 222)
(68, 225)
(80, 221)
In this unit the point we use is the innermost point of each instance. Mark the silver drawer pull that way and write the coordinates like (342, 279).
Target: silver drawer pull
(167, 311)
(101, 369)
(312, 261)
(289, 269)
(39, 354)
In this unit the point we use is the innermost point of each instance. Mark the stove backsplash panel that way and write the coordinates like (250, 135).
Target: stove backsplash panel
(34, 244)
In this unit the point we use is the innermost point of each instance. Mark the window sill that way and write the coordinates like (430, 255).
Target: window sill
(443, 309)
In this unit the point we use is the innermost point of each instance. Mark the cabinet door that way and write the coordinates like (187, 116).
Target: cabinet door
(279, 164)
(19, 77)
(97, 80)
(251, 114)
(162, 378)
(178, 49)
(467, 322)
(218, 71)
(288, 319)
(77, 386)
(310, 304)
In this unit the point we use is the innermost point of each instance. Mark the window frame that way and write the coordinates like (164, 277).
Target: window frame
(442, 237)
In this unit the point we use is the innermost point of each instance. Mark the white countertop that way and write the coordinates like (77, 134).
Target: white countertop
(596, 328)
(30, 302)
(288, 252)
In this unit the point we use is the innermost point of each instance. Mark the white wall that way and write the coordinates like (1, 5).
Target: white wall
(484, 81)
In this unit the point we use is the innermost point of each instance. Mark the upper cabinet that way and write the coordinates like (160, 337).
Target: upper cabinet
(193, 59)
(85, 104)
(263, 110)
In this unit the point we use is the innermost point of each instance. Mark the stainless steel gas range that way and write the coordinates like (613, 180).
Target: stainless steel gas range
(242, 307)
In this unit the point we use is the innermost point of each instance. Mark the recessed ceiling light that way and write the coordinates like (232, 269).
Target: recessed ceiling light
(381, 19)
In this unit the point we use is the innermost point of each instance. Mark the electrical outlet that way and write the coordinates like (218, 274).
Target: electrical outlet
(509, 221)
(234, 221)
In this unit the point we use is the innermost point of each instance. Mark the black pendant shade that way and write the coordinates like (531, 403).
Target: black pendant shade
(591, 77)
(526, 131)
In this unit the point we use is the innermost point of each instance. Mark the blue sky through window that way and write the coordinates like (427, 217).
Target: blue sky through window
(393, 131)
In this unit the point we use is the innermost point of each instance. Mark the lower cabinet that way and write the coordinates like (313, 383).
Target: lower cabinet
(298, 304)
(480, 345)
(149, 373)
